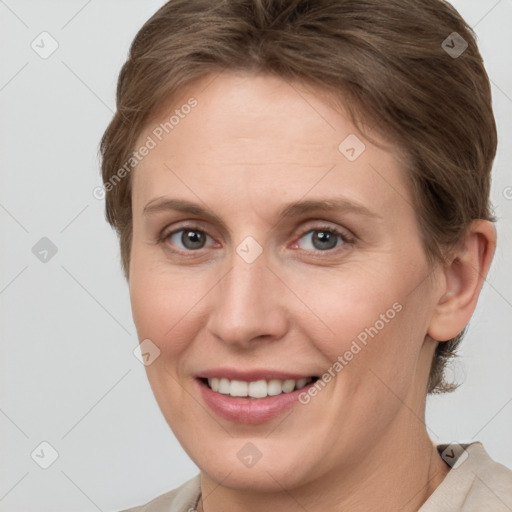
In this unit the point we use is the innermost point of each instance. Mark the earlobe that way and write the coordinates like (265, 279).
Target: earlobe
(463, 276)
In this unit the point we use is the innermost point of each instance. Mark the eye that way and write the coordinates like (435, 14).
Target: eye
(323, 239)
(190, 238)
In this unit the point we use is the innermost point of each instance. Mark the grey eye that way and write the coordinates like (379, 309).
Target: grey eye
(190, 239)
(322, 239)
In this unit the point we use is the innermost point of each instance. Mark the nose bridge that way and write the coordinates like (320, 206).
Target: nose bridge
(246, 300)
(245, 282)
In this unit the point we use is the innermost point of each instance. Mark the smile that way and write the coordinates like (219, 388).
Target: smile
(258, 388)
(251, 397)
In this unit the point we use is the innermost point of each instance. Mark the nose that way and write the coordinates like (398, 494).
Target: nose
(248, 304)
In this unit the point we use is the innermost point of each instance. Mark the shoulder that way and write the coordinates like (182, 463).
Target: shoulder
(475, 482)
(492, 482)
(180, 499)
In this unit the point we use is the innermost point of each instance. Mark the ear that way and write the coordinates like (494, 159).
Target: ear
(462, 277)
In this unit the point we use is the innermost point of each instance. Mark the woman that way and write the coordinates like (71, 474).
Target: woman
(301, 191)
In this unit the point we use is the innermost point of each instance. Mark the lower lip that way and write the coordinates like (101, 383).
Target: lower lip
(250, 410)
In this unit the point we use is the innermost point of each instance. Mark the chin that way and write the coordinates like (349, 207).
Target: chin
(270, 469)
(262, 479)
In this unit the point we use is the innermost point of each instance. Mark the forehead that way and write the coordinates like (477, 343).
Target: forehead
(238, 135)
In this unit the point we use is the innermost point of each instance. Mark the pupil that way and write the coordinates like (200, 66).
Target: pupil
(326, 240)
(192, 239)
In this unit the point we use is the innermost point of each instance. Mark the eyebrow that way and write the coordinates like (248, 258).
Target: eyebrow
(295, 209)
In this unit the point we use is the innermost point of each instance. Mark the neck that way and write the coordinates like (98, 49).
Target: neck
(407, 475)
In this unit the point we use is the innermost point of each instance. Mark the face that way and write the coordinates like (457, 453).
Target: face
(272, 261)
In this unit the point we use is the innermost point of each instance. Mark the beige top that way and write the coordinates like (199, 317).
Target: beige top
(474, 484)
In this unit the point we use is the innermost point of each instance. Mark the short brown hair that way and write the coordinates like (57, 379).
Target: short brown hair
(389, 60)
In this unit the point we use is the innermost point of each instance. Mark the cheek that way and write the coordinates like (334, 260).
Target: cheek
(164, 310)
(356, 304)
(374, 323)
(157, 312)
(167, 306)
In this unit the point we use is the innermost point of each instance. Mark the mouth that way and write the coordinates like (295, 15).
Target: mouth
(256, 389)
(252, 397)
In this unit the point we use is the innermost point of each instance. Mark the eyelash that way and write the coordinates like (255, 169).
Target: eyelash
(344, 237)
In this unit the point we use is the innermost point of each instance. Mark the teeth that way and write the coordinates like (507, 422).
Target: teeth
(258, 388)
(301, 383)
(224, 386)
(214, 384)
(238, 388)
(274, 387)
(288, 385)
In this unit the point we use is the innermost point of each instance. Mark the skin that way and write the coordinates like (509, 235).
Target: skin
(252, 145)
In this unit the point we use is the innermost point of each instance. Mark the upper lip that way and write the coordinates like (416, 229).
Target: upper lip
(251, 375)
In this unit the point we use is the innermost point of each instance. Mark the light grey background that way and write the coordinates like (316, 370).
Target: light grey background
(68, 373)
